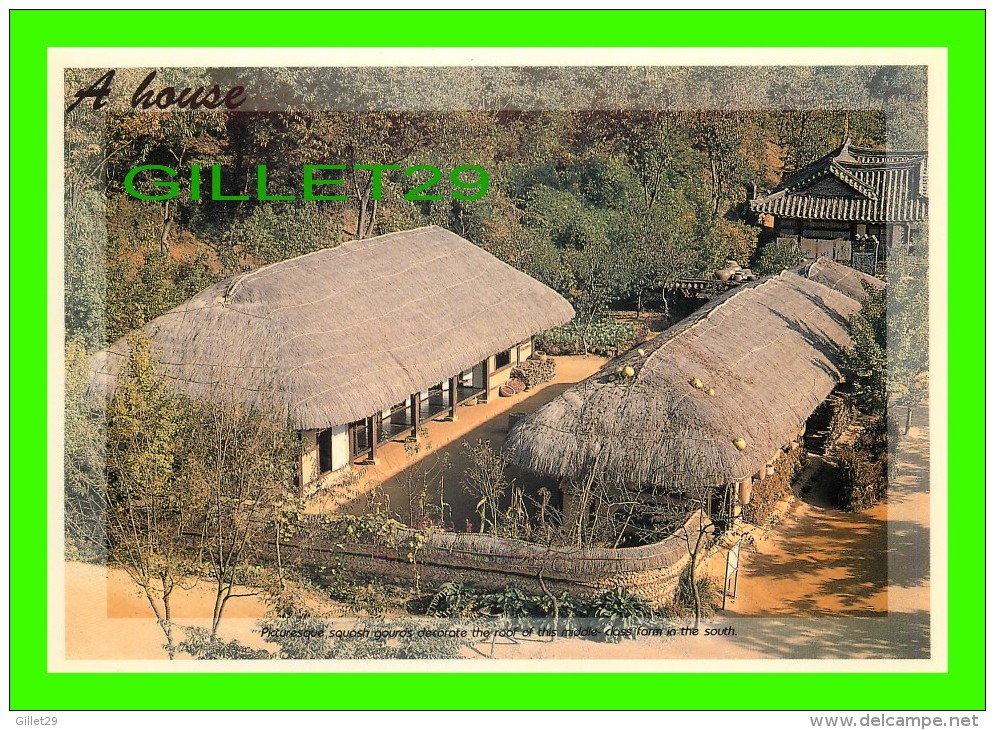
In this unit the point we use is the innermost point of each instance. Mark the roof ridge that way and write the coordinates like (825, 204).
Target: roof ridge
(702, 315)
(243, 277)
(837, 169)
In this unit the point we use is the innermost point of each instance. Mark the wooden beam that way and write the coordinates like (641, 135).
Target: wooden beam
(415, 414)
(371, 430)
(487, 378)
(452, 398)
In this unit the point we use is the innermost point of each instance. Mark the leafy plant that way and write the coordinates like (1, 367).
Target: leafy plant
(778, 255)
(709, 595)
(620, 612)
(604, 335)
(453, 600)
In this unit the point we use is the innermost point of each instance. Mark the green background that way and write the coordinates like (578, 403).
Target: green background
(33, 32)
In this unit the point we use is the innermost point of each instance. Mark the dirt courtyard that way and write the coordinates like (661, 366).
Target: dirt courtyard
(440, 462)
(819, 561)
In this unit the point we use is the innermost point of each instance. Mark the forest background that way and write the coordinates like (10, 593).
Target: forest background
(607, 184)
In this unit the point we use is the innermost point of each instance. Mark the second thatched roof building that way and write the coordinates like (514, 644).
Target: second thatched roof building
(711, 400)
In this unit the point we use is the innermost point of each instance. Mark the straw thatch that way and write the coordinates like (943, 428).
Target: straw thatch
(840, 277)
(770, 352)
(342, 333)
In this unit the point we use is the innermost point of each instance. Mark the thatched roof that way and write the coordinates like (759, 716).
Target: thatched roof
(339, 334)
(770, 351)
(840, 277)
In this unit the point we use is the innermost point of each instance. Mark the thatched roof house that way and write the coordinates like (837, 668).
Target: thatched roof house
(768, 350)
(367, 334)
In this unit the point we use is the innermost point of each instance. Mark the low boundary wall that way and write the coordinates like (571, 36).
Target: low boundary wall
(433, 558)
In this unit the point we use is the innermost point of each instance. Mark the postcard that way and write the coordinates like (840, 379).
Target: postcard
(397, 360)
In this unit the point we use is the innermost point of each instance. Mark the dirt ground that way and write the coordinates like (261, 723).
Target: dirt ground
(440, 462)
(108, 617)
(823, 585)
(819, 561)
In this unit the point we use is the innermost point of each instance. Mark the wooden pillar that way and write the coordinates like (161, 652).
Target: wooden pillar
(371, 429)
(452, 398)
(415, 414)
(487, 378)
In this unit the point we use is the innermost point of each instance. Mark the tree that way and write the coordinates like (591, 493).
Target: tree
(778, 255)
(241, 464)
(865, 362)
(908, 328)
(85, 485)
(149, 512)
(195, 487)
(696, 533)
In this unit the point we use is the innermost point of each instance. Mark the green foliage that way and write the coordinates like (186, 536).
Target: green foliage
(619, 611)
(144, 279)
(866, 362)
(863, 468)
(238, 466)
(733, 240)
(778, 255)
(604, 336)
(85, 495)
(610, 613)
(143, 421)
(85, 271)
(908, 324)
(453, 600)
(374, 528)
(201, 644)
(276, 231)
(709, 594)
(364, 595)
(195, 488)
(149, 512)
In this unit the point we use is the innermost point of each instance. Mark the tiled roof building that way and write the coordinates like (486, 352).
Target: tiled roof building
(854, 199)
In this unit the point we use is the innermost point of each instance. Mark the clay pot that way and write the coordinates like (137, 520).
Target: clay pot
(724, 274)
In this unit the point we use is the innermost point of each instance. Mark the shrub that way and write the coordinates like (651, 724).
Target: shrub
(709, 593)
(604, 336)
(863, 469)
(766, 493)
(612, 613)
(778, 255)
(201, 645)
(619, 611)
(453, 600)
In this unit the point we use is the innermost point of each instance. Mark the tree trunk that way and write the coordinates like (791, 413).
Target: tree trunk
(361, 218)
(167, 623)
(219, 605)
(167, 223)
(695, 597)
(716, 187)
(373, 218)
(908, 420)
